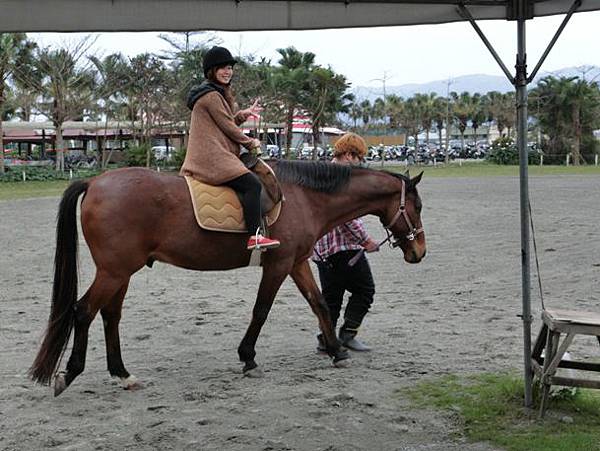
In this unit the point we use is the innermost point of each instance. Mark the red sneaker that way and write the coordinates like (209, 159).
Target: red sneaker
(261, 242)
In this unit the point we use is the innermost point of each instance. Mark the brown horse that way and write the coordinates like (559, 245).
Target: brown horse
(133, 217)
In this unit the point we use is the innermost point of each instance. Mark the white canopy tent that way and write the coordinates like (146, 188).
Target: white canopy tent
(237, 15)
(242, 15)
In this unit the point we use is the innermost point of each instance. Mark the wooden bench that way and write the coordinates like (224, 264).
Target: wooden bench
(569, 323)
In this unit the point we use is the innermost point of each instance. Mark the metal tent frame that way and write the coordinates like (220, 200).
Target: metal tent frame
(243, 15)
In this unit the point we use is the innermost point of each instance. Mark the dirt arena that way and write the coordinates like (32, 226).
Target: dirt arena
(456, 312)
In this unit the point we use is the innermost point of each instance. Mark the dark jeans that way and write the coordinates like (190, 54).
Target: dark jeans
(248, 188)
(337, 278)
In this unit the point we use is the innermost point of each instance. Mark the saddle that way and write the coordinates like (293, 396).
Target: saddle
(218, 208)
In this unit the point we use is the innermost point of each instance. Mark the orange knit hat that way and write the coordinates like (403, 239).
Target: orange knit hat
(350, 143)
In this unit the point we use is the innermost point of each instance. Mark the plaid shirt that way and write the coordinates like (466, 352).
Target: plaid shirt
(347, 237)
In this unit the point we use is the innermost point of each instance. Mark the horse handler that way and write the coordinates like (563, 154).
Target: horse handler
(334, 250)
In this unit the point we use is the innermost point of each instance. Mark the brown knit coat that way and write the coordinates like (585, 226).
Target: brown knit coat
(214, 142)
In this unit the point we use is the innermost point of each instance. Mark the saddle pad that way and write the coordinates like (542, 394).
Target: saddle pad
(218, 208)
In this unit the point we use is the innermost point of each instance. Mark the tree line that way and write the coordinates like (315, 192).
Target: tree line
(70, 83)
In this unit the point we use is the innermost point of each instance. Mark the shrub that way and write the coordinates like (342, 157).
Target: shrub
(137, 156)
(32, 173)
(177, 159)
(504, 151)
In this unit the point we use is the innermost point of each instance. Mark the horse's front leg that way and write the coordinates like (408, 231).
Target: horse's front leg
(270, 283)
(305, 281)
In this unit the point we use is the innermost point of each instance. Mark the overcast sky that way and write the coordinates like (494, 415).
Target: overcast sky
(414, 54)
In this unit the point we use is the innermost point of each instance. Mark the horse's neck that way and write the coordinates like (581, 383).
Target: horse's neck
(367, 193)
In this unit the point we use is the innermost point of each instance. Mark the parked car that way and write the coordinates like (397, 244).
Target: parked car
(163, 152)
(307, 151)
(272, 151)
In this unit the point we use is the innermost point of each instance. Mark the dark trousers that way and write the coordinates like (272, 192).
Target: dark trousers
(337, 278)
(248, 188)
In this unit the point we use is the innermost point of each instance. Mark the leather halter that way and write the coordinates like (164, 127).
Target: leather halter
(413, 231)
(412, 234)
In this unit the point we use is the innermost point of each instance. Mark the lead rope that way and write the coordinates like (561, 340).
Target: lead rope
(537, 263)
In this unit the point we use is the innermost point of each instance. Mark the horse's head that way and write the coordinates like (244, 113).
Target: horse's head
(402, 218)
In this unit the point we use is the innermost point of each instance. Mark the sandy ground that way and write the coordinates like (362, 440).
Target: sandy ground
(456, 312)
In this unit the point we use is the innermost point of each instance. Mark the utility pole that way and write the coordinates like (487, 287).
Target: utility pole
(447, 156)
(385, 78)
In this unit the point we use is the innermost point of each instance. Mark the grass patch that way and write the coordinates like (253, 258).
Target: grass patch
(22, 190)
(470, 169)
(490, 408)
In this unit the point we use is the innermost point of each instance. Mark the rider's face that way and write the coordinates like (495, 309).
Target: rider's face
(224, 74)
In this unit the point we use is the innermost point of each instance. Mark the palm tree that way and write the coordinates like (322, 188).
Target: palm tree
(14, 51)
(478, 113)
(569, 112)
(66, 87)
(412, 118)
(366, 110)
(439, 109)
(291, 80)
(462, 110)
(327, 97)
(379, 112)
(428, 112)
(500, 108)
(355, 114)
(394, 108)
(110, 82)
(146, 89)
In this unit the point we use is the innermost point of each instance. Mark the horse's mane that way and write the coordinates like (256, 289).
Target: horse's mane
(398, 176)
(321, 176)
(317, 175)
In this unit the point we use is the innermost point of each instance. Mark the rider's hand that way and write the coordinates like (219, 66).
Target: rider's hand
(254, 110)
(255, 143)
(370, 245)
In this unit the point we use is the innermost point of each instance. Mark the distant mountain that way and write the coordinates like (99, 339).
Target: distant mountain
(471, 83)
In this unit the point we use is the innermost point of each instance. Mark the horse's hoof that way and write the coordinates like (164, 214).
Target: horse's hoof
(254, 373)
(60, 383)
(129, 383)
(341, 358)
(344, 363)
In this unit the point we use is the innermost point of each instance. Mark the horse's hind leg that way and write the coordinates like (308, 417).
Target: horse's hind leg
(111, 316)
(104, 288)
(305, 281)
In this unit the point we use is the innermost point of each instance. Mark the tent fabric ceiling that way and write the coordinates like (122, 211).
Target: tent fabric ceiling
(242, 15)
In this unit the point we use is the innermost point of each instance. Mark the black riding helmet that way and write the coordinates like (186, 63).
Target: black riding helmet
(215, 57)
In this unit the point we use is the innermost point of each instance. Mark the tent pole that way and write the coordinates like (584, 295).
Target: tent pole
(521, 97)
(520, 82)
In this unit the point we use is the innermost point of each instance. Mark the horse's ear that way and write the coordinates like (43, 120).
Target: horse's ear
(417, 179)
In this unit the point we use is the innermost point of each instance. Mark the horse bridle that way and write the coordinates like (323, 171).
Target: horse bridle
(413, 231)
(411, 236)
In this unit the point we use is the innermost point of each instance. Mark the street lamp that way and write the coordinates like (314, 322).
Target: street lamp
(446, 155)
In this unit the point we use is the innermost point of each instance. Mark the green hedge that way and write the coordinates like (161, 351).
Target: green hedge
(32, 173)
(504, 151)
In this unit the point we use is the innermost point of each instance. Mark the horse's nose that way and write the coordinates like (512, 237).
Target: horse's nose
(414, 256)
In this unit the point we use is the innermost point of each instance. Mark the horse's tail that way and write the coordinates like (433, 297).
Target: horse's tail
(64, 290)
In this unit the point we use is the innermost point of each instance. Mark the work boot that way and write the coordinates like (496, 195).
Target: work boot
(349, 340)
(261, 242)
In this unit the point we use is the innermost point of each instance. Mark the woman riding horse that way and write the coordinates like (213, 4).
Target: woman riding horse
(214, 144)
